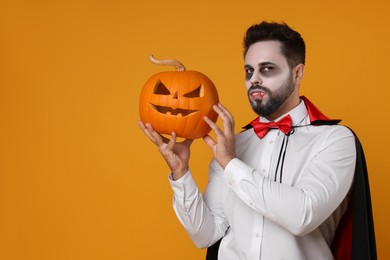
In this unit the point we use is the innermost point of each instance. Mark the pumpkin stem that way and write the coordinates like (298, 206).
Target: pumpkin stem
(177, 64)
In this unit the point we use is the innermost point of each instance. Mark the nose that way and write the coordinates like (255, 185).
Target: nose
(175, 100)
(256, 79)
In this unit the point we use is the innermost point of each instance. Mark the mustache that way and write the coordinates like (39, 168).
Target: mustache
(259, 87)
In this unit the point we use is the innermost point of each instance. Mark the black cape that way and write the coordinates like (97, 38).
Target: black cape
(355, 235)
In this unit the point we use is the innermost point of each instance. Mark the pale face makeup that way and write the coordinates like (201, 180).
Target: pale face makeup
(268, 78)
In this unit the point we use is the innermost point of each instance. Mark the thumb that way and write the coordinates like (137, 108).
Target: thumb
(188, 142)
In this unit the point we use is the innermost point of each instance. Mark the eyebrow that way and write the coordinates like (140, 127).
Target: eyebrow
(265, 63)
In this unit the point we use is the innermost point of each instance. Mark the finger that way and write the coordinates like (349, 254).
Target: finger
(213, 126)
(141, 125)
(171, 142)
(155, 135)
(226, 111)
(146, 131)
(226, 119)
(209, 141)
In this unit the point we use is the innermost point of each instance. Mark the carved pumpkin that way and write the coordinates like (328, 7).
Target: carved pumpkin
(177, 101)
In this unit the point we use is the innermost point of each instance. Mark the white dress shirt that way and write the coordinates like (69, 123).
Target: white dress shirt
(292, 215)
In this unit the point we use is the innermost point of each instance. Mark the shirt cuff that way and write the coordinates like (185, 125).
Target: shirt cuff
(185, 183)
(236, 171)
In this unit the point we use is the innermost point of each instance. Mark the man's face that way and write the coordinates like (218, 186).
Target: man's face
(268, 78)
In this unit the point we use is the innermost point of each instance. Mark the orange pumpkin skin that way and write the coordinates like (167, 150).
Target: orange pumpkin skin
(177, 101)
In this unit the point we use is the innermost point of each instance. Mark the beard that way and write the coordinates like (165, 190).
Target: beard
(275, 99)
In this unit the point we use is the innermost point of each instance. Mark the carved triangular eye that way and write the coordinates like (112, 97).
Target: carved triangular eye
(198, 92)
(161, 89)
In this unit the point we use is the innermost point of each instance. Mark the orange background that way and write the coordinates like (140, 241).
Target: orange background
(79, 180)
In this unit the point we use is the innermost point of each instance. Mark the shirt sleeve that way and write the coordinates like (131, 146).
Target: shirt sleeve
(203, 226)
(322, 186)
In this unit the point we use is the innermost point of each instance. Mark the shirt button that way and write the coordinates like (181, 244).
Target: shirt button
(257, 235)
(271, 142)
(263, 170)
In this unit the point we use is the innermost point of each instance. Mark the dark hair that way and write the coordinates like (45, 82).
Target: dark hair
(293, 46)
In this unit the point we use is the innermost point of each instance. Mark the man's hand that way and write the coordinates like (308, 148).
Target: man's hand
(224, 147)
(177, 155)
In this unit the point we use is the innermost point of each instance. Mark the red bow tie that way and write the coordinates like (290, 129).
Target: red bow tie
(261, 128)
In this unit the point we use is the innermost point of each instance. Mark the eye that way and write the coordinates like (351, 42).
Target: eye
(198, 92)
(267, 69)
(161, 89)
(249, 70)
(248, 73)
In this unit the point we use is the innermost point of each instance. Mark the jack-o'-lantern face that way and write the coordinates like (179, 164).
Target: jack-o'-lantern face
(177, 101)
(161, 89)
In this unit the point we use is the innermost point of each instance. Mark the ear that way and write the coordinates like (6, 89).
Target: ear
(298, 72)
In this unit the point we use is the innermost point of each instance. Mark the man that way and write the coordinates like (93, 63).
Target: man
(273, 193)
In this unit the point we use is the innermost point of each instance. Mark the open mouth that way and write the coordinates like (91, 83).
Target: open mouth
(175, 112)
(256, 94)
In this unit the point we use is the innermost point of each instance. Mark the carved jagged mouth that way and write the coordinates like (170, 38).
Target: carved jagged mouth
(175, 112)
